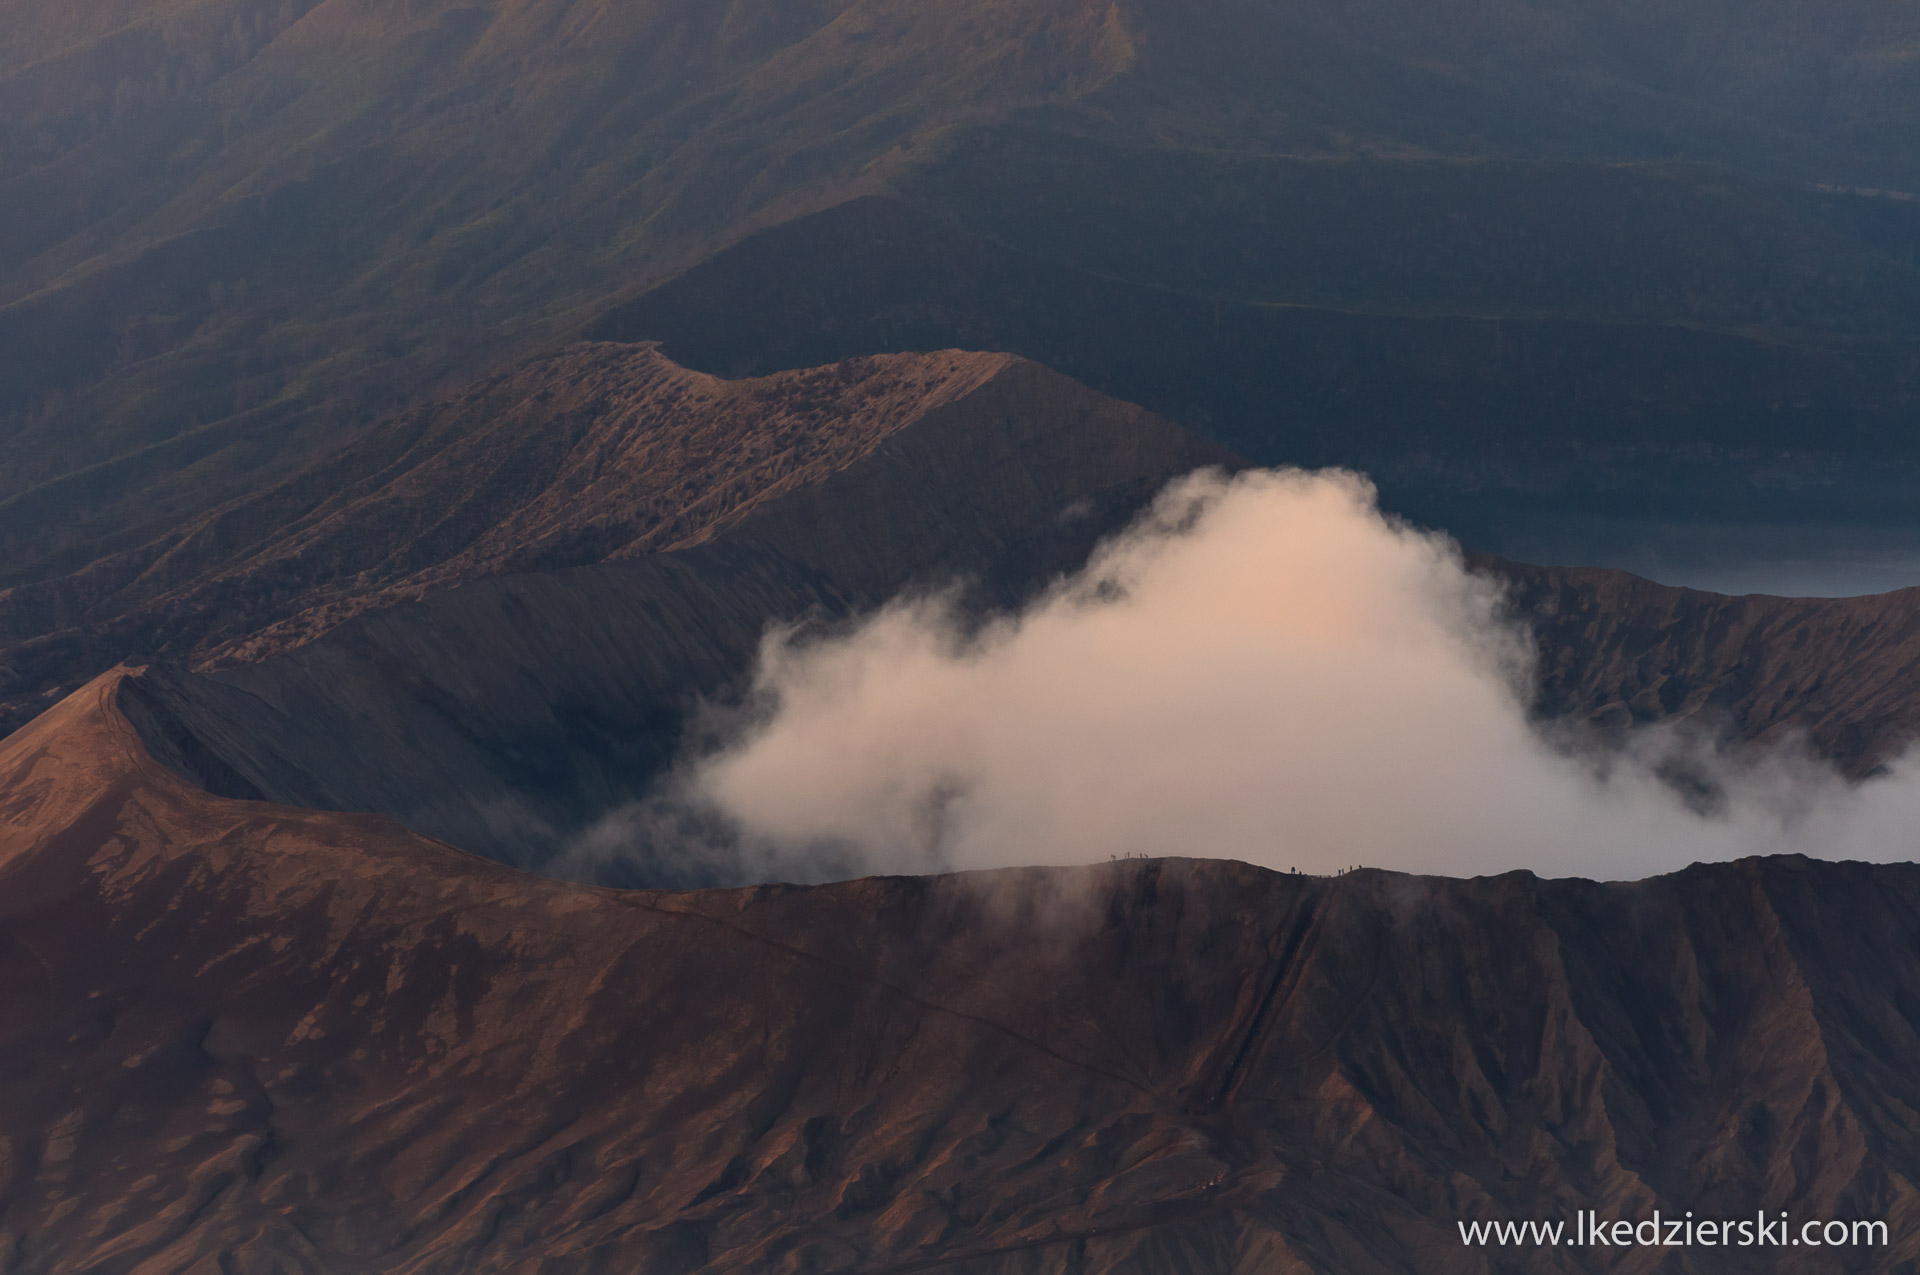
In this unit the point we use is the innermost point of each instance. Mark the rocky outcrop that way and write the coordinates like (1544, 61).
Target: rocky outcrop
(252, 1037)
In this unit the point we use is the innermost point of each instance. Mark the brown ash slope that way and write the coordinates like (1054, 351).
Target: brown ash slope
(592, 454)
(669, 529)
(588, 454)
(1839, 673)
(248, 1037)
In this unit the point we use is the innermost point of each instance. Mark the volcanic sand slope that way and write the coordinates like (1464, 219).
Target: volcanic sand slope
(1692, 245)
(589, 454)
(261, 1038)
(508, 714)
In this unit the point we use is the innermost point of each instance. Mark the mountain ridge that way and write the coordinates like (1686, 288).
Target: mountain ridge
(277, 1032)
(509, 713)
(556, 462)
(504, 672)
(238, 232)
(1832, 673)
(349, 600)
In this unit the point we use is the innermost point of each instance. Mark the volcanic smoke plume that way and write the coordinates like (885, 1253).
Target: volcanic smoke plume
(1262, 667)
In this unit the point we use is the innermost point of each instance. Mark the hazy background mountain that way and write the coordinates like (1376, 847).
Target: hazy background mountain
(234, 233)
(1503, 427)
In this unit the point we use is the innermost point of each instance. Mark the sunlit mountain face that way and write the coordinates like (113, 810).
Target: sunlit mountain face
(284, 1039)
(1008, 638)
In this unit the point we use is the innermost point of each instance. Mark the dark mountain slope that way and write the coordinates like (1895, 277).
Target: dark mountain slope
(361, 649)
(1481, 425)
(593, 454)
(506, 714)
(1843, 672)
(1700, 245)
(233, 232)
(258, 1038)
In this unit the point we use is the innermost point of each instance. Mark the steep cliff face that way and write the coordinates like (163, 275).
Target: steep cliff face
(263, 1038)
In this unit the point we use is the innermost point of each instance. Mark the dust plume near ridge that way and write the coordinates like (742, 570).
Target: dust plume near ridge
(1262, 667)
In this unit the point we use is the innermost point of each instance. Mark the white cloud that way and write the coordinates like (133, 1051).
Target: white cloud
(1262, 668)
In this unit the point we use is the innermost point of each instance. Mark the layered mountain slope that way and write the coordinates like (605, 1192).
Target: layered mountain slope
(495, 618)
(232, 232)
(1844, 673)
(593, 454)
(507, 714)
(257, 1038)
(1488, 426)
